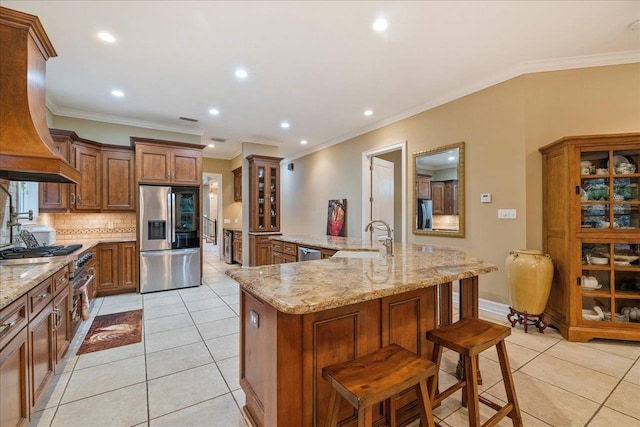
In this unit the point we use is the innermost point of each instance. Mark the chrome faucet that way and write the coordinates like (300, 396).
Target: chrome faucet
(388, 241)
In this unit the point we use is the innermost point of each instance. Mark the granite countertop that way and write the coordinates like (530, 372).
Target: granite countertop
(18, 279)
(312, 286)
(331, 242)
(90, 243)
(20, 276)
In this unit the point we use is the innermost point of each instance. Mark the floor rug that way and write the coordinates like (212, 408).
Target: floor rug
(113, 330)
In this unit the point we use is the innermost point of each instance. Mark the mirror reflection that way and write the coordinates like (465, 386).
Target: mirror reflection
(439, 191)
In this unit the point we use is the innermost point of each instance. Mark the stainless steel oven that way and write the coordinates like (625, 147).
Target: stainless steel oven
(81, 279)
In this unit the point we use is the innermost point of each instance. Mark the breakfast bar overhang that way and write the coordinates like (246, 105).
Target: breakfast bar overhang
(297, 318)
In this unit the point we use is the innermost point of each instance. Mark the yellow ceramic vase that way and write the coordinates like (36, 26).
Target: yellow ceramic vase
(529, 275)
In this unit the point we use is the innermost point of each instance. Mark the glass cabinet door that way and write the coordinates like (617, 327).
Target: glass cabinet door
(609, 182)
(610, 282)
(595, 182)
(262, 208)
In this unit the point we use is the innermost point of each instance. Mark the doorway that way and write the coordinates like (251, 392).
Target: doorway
(396, 154)
(211, 214)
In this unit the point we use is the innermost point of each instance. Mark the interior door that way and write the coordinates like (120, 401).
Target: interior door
(381, 195)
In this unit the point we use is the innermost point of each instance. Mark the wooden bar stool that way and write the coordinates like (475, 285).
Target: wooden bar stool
(469, 337)
(378, 376)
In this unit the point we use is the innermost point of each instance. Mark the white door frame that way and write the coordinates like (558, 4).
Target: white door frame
(366, 184)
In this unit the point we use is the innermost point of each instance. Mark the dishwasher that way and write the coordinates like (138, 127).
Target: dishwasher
(307, 254)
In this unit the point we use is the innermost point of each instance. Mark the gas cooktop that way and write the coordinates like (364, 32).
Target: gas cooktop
(38, 252)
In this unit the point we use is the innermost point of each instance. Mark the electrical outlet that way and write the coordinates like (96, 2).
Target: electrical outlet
(227, 221)
(110, 225)
(235, 221)
(506, 214)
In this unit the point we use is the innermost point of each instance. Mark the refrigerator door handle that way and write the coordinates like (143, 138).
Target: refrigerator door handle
(173, 217)
(169, 219)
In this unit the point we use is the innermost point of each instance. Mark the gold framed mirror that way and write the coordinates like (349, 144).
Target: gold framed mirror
(438, 191)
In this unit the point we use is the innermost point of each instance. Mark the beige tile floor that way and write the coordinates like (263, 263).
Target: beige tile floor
(185, 371)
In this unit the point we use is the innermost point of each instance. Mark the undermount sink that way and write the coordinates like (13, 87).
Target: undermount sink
(357, 254)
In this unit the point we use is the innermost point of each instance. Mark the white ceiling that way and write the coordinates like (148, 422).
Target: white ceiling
(317, 65)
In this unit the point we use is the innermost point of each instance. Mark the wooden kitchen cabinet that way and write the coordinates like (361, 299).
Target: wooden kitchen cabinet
(62, 323)
(437, 197)
(264, 193)
(54, 196)
(14, 380)
(261, 247)
(283, 252)
(451, 197)
(444, 195)
(591, 228)
(41, 344)
(167, 162)
(423, 187)
(14, 359)
(87, 194)
(118, 180)
(107, 177)
(117, 268)
(237, 184)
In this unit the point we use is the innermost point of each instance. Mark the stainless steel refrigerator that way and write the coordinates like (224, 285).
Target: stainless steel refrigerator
(169, 238)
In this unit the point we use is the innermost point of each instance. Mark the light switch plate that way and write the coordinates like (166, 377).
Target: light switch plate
(506, 214)
(227, 221)
(254, 319)
(485, 198)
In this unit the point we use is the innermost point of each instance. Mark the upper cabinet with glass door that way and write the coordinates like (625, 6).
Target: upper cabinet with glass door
(609, 180)
(264, 193)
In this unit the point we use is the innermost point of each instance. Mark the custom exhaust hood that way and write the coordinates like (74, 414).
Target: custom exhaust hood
(27, 151)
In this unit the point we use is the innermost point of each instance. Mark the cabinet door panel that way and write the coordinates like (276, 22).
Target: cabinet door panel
(53, 197)
(153, 164)
(41, 348)
(89, 190)
(437, 195)
(118, 181)
(108, 277)
(62, 321)
(187, 167)
(14, 404)
(127, 267)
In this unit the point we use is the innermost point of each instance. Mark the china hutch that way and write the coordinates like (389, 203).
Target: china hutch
(591, 230)
(264, 206)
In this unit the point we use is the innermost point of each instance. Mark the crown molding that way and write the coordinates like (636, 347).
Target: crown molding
(586, 61)
(118, 120)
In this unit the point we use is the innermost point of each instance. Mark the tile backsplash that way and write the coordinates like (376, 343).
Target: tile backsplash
(70, 226)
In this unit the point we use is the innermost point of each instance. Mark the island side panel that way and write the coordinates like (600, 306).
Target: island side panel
(270, 363)
(406, 319)
(335, 336)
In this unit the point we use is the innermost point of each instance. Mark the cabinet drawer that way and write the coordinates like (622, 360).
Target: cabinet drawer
(12, 319)
(276, 246)
(290, 248)
(60, 280)
(262, 240)
(39, 297)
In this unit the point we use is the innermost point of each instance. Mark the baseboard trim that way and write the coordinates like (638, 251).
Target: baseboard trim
(486, 305)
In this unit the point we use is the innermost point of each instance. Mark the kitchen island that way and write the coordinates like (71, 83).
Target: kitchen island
(296, 318)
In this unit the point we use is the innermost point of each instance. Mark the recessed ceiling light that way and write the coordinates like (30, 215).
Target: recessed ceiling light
(285, 125)
(380, 24)
(106, 37)
(368, 112)
(304, 141)
(241, 73)
(214, 112)
(211, 145)
(117, 93)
